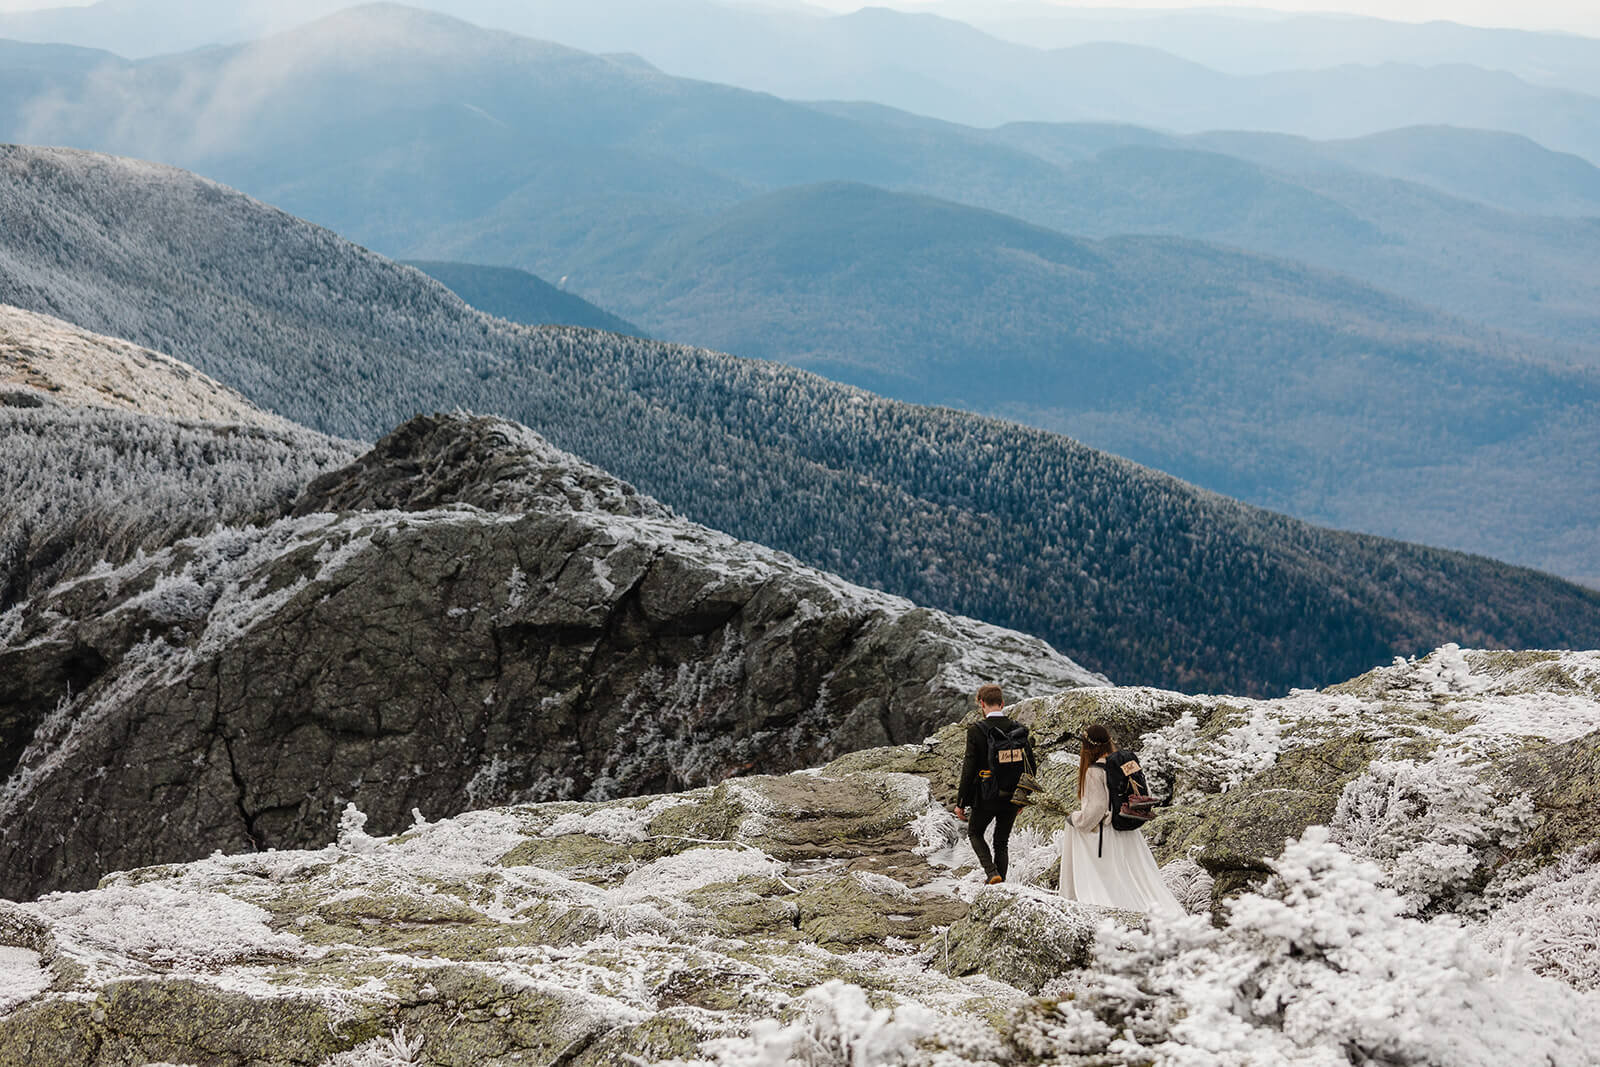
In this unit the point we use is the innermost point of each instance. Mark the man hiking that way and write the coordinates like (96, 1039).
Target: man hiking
(998, 752)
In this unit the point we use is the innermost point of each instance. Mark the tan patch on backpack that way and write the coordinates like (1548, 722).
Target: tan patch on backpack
(1130, 768)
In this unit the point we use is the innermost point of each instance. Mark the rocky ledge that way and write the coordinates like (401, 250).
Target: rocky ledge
(465, 617)
(1399, 870)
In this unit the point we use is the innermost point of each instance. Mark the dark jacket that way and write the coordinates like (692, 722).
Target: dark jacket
(977, 759)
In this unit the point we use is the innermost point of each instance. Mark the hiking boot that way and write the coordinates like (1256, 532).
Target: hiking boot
(996, 879)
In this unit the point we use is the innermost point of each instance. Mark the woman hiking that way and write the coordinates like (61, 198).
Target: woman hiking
(1100, 864)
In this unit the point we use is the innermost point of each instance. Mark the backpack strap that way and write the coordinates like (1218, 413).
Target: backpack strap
(1105, 767)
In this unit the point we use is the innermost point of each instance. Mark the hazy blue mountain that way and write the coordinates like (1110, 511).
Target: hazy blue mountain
(53, 58)
(1535, 274)
(422, 136)
(518, 296)
(140, 28)
(427, 138)
(1501, 169)
(1135, 572)
(1260, 41)
(949, 69)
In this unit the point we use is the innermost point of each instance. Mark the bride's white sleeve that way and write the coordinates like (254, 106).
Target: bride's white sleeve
(1096, 801)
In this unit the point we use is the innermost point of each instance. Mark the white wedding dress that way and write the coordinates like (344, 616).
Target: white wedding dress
(1125, 874)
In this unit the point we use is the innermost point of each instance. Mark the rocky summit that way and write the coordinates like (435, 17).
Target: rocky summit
(1395, 871)
(464, 617)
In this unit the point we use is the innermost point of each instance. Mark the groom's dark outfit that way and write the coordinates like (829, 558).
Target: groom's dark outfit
(981, 813)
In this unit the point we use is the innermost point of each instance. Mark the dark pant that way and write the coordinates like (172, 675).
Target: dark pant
(978, 821)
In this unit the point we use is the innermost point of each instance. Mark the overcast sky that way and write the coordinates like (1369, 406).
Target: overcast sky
(1581, 16)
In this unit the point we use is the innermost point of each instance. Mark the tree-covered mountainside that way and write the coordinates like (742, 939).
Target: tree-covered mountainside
(85, 486)
(508, 293)
(1290, 388)
(1133, 573)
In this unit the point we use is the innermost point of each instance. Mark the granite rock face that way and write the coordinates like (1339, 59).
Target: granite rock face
(464, 617)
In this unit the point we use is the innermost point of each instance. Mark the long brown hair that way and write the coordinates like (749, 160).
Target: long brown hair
(1096, 743)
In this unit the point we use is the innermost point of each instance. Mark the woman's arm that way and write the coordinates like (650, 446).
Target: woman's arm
(1096, 801)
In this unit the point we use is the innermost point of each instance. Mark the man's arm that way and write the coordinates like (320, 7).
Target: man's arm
(970, 765)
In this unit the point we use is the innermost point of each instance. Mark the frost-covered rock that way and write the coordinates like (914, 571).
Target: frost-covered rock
(237, 690)
(1026, 937)
(813, 918)
(702, 931)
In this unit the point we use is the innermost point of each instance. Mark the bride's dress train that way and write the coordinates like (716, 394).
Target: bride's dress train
(1122, 874)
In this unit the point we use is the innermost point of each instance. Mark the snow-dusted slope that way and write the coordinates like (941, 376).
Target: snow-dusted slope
(834, 917)
(78, 368)
(1134, 573)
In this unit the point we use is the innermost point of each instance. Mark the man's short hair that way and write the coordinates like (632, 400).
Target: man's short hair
(991, 697)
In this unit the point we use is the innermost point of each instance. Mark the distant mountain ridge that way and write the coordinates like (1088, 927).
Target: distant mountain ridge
(529, 155)
(1263, 41)
(1141, 577)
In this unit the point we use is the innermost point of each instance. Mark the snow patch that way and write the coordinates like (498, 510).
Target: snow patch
(22, 977)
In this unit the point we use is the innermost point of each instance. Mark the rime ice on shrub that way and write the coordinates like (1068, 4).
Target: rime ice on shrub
(1321, 966)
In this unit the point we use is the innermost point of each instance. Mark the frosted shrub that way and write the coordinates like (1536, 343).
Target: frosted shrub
(10, 624)
(839, 1028)
(1033, 854)
(175, 598)
(390, 1050)
(1433, 827)
(353, 836)
(1163, 752)
(1555, 923)
(1191, 883)
(1175, 752)
(1321, 967)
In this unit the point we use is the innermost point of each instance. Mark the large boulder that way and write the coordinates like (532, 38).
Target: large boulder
(1027, 937)
(236, 690)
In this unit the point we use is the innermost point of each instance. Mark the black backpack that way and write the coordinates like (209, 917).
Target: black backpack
(1131, 803)
(1008, 759)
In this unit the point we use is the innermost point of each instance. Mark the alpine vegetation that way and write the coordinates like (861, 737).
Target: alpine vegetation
(1136, 575)
(94, 475)
(465, 616)
(837, 917)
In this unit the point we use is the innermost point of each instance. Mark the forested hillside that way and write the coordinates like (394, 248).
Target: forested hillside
(1285, 387)
(90, 485)
(1132, 573)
